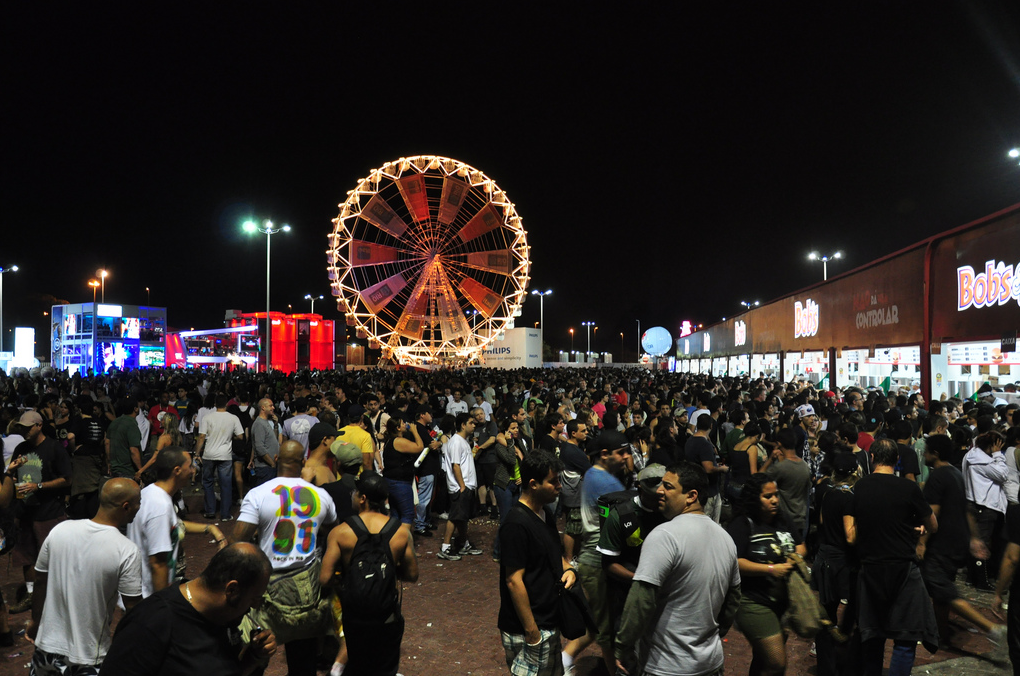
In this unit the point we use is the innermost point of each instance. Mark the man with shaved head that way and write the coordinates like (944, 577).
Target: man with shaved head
(83, 566)
(287, 516)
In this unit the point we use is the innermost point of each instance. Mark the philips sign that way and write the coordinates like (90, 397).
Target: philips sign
(520, 348)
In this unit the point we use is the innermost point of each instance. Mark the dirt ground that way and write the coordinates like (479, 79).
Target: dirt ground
(451, 611)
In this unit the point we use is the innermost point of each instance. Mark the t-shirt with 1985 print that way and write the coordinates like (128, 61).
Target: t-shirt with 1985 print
(289, 512)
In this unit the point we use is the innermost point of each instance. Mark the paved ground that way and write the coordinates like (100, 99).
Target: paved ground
(451, 622)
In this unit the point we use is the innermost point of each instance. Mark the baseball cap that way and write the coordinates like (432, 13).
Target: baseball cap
(610, 440)
(319, 432)
(347, 454)
(650, 477)
(804, 410)
(844, 463)
(29, 418)
(373, 486)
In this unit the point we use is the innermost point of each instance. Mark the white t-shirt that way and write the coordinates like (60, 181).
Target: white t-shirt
(11, 442)
(298, 427)
(88, 566)
(288, 512)
(457, 451)
(693, 562)
(219, 428)
(455, 407)
(143, 429)
(156, 529)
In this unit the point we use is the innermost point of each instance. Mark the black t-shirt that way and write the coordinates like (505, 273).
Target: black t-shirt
(835, 504)
(1013, 534)
(50, 459)
(547, 443)
(88, 435)
(908, 462)
(529, 543)
(764, 543)
(945, 488)
(165, 636)
(341, 491)
(574, 458)
(699, 450)
(432, 462)
(887, 508)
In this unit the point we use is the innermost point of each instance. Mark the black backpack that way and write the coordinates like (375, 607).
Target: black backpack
(368, 588)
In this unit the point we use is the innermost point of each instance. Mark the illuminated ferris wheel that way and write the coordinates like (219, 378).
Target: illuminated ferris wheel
(429, 260)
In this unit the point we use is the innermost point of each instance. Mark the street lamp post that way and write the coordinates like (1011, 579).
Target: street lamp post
(267, 229)
(10, 268)
(588, 326)
(312, 298)
(102, 275)
(638, 339)
(94, 283)
(825, 261)
(147, 296)
(571, 341)
(541, 305)
(750, 305)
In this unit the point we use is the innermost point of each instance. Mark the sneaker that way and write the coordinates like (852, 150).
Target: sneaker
(812, 651)
(469, 549)
(448, 555)
(21, 606)
(997, 636)
(423, 533)
(208, 515)
(226, 518)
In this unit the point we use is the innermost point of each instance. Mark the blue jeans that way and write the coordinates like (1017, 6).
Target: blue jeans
(401, 500)
(211, 469)
(421, 512)
(900, 664)
(263, 474)
(505, 499)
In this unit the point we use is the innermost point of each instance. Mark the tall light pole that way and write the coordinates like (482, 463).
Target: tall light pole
(267, 229)
(94, 283)
(750, 305)
(571, 341)
(621, 345)
(102, 275)
(9, 268)
(541, 305)
(147, 295)
(638, 339)
(312, 298)
(588, 326)
(825, 261)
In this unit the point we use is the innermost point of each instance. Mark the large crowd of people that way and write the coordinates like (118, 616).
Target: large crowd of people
(670, 506)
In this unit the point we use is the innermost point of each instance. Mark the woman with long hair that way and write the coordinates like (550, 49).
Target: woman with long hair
(764, 537)
(506, 484)
(746, 457)
(401, 446)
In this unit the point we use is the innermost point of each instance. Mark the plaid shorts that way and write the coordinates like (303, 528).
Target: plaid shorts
(533, 660)
(51, 664)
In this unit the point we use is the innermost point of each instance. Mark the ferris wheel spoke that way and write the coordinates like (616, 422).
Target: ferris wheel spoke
(482, 297)
(498, 262)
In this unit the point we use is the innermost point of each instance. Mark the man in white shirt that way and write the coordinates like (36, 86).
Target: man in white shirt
(456, 405)
(156, 530)
(82, 569)
(298, 426)
(289, 517)
(461, 482)
(984, 476)
(213, 444)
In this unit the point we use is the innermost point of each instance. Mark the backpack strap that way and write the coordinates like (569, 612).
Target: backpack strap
(358, 526)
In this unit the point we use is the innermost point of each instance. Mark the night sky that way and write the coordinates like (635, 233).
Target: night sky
(667, 163)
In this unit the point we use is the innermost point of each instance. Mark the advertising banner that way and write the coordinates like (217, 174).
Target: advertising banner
(976, 283)
(520, 348)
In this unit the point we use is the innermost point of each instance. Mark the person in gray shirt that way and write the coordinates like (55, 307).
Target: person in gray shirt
(266, 438)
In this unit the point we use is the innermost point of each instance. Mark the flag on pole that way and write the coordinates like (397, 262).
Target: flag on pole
(886, 385)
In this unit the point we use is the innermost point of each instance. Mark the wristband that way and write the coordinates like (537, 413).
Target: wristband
(771, 567)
